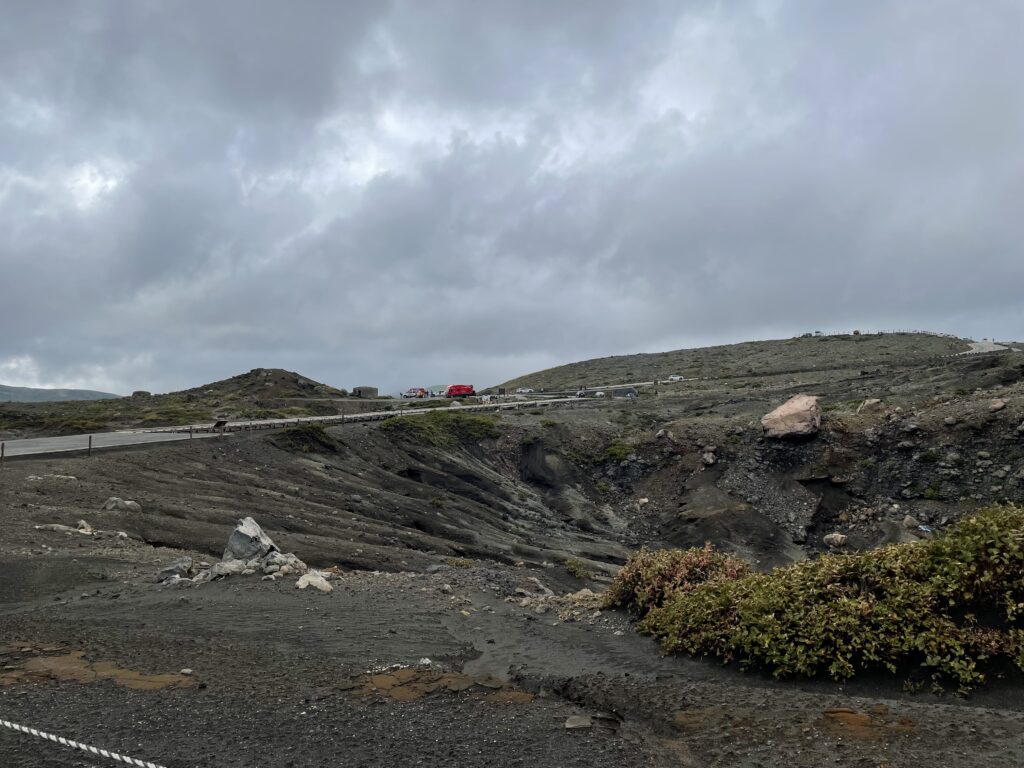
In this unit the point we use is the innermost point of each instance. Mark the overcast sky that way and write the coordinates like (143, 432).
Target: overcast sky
(415, 193)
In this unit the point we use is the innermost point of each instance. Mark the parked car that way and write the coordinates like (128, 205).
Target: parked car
(599, 394)
(460, 390)
(675, 377)
(415, 392)
(524, 391)
(582, 393)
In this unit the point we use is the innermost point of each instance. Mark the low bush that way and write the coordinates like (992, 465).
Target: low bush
(949, 608)
(576, 568)
(442, 429)
(617, 451)
(649, 579)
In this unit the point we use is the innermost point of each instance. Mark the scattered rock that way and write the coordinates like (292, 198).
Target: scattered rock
(708, 458)
(314, 579)
(871, 404)
(114, 504)
(226, 568)
(949, 421)
(578, 722)
(996, 405)
(248, 541)
(834, 540)
(797, 417)
(57, 527)
(910, 523)
(181, 568)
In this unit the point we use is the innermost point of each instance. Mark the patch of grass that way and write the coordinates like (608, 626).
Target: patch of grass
(576, 568)
(459, 562)
(951, 607)
(617, 451)
(549, 423)
(442, 429)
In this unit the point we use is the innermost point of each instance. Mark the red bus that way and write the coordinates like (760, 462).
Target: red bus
(459, 390)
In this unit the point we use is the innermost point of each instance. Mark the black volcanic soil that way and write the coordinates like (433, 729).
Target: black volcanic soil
(437, 645)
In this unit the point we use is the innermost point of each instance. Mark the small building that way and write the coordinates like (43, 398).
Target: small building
(364, 392)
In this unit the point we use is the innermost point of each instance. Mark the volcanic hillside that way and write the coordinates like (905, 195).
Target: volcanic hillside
(260, 393)
(752, 358)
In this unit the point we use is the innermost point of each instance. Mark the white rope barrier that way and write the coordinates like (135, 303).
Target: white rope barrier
(77, 745)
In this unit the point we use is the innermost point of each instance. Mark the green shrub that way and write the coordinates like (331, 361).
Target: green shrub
(617, 451)
(576, 568)
(949, 607)
(649, 578)
(442, 429)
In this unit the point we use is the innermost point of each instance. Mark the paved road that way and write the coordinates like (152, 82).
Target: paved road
(73, 443)
(978, 347)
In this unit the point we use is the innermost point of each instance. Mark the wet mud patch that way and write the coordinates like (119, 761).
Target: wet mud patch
(864, 726)
(25, 665)
(411, 684)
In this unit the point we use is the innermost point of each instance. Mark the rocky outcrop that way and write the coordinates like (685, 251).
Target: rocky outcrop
(249, 551)
(799, 416)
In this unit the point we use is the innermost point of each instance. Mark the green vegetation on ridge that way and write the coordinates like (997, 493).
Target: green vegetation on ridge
(950, 607)
(442, 428)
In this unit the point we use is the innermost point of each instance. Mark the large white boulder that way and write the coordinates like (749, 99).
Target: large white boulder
(248, 542)
(797, 417)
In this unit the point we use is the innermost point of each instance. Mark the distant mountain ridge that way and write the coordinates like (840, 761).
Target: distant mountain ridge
(38, 395)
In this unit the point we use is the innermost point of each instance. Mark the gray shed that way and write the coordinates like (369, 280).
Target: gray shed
(364, 392)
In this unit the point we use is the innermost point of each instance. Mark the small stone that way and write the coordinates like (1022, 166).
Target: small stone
(181, 568)
(909, 522)
(314, 579)
(833, 540)
(949, 421)
(186, 672)
(578, 722)
(996, 405)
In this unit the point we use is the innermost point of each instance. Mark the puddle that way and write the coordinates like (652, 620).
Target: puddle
(412, 684)
(75, 667)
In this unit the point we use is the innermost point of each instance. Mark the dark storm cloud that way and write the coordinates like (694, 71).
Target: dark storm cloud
(410, 193)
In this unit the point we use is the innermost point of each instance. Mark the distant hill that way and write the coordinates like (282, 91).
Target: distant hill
(752, 358)
(263, 384)
(262, 393)
(34, 395)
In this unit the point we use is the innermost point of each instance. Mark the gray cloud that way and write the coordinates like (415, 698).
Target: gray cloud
(399, 193)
